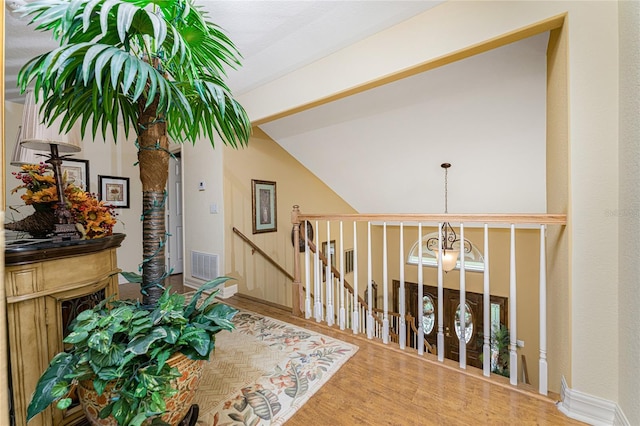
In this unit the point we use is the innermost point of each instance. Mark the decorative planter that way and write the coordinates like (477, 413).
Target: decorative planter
(177, 406)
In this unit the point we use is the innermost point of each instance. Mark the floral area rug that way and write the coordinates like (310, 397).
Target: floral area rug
(264, 370)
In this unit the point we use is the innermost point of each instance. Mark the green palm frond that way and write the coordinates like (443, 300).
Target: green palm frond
(115, 54)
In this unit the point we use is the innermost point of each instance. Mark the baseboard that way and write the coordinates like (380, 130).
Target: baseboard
(590, 409)
(227, 292)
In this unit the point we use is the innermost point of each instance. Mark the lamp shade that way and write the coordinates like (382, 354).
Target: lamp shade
(449, 258)
(37, 135)
(22, 155)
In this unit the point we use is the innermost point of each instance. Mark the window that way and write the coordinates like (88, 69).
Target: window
(428, 315)
(473, 261)
(468, 315)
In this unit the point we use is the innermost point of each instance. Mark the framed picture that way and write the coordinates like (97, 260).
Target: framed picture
(114, 191)
(263, 195)
(77, 172)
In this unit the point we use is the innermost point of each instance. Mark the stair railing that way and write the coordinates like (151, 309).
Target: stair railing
(359, 313)
(322, 258)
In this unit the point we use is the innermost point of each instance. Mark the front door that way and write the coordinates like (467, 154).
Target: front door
(451, 314)
(453, 330)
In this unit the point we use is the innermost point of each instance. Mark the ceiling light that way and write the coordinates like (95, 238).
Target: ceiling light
(451, 244)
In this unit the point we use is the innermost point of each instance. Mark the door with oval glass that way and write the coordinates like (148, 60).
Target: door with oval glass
(451, 318)
(473, 326)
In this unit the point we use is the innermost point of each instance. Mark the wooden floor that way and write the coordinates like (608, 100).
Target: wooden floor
(385, 386)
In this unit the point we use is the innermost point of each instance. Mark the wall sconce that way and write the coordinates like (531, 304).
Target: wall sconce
(451, 244)
(37, 135)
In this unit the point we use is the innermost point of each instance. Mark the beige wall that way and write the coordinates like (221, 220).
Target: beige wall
(592, 39)
(265, 160)
(559, 285)
(203, 231)
(629, 210)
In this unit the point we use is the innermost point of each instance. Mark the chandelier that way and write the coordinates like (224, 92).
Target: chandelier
(451, 244)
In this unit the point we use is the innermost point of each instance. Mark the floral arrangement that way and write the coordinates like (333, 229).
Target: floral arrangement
(39, 182)
(93, 218)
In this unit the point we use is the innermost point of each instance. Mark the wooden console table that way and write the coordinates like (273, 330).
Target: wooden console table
(47, 285)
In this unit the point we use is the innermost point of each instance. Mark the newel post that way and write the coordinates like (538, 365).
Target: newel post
(296, 289)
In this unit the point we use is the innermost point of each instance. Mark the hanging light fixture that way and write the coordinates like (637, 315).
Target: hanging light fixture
(451, 244)
(36, 135)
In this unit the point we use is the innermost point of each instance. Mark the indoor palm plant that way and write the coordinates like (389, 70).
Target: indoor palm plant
(156, 66)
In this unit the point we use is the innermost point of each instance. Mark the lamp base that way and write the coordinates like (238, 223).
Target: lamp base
(65, 232)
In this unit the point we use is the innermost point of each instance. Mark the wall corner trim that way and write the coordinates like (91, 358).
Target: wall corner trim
(228, 291)
(590, 409)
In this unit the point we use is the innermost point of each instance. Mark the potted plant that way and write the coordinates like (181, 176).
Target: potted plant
(156, 66)
(500, 341)
(122, 357)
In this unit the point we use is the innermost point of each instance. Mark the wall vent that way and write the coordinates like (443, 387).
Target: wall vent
(204, 265)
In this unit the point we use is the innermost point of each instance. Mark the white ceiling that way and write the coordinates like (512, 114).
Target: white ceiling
(486, 115)
(274, 37)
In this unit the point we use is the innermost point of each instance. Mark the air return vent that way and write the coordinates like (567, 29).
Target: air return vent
(204, 265)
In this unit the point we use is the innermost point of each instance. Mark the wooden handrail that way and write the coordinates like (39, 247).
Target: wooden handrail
(284, 271)
(265, 255)
(506, 218)
(428, 345)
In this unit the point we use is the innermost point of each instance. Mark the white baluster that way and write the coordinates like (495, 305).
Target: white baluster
(420, 337)
(307, 273)
(317, 296)
(513, 355)
(486, 321)
(440, 297)
(342, 290)
(355, 315)
(543, 378)
(402, 325)
(463, 304)
(329, 275)
(369, 279)
(385, 287)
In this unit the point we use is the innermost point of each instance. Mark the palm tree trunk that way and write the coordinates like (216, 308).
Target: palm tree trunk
(153, 158)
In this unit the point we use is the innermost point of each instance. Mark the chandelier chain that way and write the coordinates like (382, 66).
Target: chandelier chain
(446, 192)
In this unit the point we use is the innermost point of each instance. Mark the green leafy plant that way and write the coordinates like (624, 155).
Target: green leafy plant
(120, 345)
(500, 341)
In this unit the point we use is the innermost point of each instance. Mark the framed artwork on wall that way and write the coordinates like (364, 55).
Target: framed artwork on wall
(77, 172)
(114, 191)
(263, 208)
